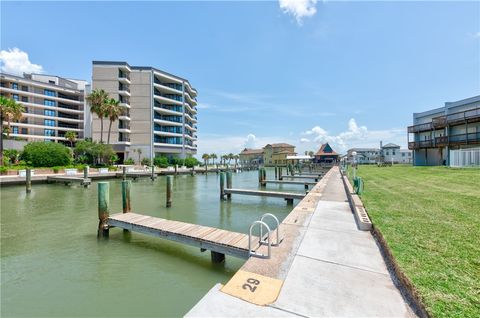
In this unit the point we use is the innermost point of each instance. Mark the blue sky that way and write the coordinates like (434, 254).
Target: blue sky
(303, 72)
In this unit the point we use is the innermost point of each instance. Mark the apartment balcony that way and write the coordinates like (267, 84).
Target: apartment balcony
(444, 141)
(166, 111)
(125, 117)
(124, 78)
(469, 116)
(124, 91)
(167, 88)
(464, 139)
(163, 99)
(420, 127)
(420, 144)
(439, 122)
(166, 133)
(124, 129)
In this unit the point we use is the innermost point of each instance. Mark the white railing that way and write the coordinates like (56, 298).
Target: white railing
(465, 158)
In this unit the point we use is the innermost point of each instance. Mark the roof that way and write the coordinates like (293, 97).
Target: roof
(326, 150)
(279, 145)
(390, 145)
(363, 149)
(247, 151)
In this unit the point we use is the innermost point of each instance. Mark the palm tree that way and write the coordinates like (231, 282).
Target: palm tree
(236, 157)
(97, 100)
(71, 136)
(230, 157)
(213, 156)
(10, 111)
(205, 158)
(139, 152)
(113, 110)
(311, 153)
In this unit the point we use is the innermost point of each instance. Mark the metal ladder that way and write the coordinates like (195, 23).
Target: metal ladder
(263, 240)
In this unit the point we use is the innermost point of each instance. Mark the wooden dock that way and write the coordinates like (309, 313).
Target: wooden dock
(316, 178)
(289, 182)
(273, 194)
(203, 237)
(69, 180)
(137, 174)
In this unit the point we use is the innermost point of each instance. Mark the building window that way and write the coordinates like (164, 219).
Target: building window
(47, 102)
(15, 97)
(387, 153)
(409, 154)
(48, 112)
(403, 154)
(49, 132)
(25, 88)
(25, 99)
(51, 82)
(49, 92)
(14, 86)
(393, 153)
(49, 122)
(24, 131)
(14, 130)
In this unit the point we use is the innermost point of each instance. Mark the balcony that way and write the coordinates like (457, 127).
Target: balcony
(464, 139)
(124, 90)
(123, 77)
(439, 122)
(420, 144)
(469, 116)
(443, 141)
(420, 127)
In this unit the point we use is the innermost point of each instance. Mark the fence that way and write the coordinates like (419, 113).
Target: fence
(465, 158)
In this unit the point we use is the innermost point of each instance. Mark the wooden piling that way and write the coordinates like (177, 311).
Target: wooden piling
(169, 191)
(229, 184)
(103, 207)
(28, 181)
(126, 185)
(217, 257)
(85, 172)
(153, 176)
(176, 169)
(276, 173)
(193, 171)
(124, 173)
(222, 185)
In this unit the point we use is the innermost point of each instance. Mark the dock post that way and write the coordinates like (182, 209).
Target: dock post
(126, 185)
(124, 173)
(103, 207)
(153, 173)
(276, 172)
(193, 171)
(176, 169)
(264, 177)
(229, 184)
(85, 172)
(217, 257)
(280, 171)
(260, 176)
(306, 186)
(206, 168)
(289, 201)
(217, 168)
(28, 181)
(169, 190)
(222, 185)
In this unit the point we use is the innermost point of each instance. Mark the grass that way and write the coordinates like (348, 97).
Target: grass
(430, 218)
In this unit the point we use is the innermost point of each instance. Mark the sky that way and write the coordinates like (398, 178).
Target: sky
(298, 71)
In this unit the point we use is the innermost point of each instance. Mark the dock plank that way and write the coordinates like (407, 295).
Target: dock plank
(273, 194)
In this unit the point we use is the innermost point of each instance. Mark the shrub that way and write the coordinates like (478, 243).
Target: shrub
(93, 153)
(56, 169)
(10, 156)
(129, 161)
(161, 161)
(146, 162)
(177, 161)
(47, 154)
(3, 170)
(191, 162)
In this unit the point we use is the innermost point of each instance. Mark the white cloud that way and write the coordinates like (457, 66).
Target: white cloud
(251, 141)
(354, 136)
(16, 61)
(299, 8)
(204, 106)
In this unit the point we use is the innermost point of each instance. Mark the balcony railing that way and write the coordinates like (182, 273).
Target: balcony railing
(420, 144)
(469, 116)
(443, 141)
(124, 75)
(439, 122)
(466, 116)
(420, 127)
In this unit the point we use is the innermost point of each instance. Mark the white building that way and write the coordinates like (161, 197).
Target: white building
(388, 153)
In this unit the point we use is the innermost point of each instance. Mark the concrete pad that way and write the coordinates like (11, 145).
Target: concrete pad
(217, 304)
(335, 216)
(356, 249)
(319, 289)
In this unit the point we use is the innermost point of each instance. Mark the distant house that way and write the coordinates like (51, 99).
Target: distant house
(276, 154)
(364, 155)
(251, 156)
(392, 153)
(326, 154)
(388, 153)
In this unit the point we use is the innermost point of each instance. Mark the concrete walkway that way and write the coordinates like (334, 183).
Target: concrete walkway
(337, 271)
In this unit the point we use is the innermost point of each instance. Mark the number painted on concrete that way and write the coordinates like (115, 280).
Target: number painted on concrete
(250, 287)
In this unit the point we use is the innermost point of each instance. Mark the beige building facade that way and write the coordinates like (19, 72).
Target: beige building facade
(160, 116)
(53, 106)
(276, 154)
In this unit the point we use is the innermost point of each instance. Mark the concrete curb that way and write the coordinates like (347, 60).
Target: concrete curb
(363, 220)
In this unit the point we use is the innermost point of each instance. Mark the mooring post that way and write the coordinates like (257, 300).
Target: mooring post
(280, 172)
(124, 173)
(264, 176)
(206, 168)
(126, 185)
(85, 172)
(222, 185)
(28, 181)
(169, 190)
(217, 257)
(229, 184)
(153, 176)
(193, 171)
(260, 176)
(217, 168)
(176, 169)
(289, 201)
(276, 172)
(103, 207)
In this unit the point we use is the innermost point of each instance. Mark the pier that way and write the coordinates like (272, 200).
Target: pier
(67, 180)
(271, 194)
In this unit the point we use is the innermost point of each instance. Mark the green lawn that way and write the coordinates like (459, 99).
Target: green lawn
(430, 218)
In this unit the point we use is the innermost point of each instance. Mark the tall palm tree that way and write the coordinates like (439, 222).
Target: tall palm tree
(10, 111)
(205, 158)
(230, 156)
(213, 156)
(236, 157)
(98, 99)
(71, 136)
(113, 110)
(311, 153)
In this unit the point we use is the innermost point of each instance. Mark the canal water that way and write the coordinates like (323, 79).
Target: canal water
(52, 264)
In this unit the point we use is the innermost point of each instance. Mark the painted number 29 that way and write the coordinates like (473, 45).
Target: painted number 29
(250, 282)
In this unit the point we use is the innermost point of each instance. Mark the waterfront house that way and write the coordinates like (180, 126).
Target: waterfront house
(326, 154)
(364, 155)
(386, 153)
(449, 135)
(251, 156)
(274, 154)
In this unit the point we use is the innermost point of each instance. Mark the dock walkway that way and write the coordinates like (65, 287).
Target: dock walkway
(326, 267)
(204, 237)
(261, 193)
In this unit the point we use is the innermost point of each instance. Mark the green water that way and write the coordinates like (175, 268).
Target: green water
(53, 265)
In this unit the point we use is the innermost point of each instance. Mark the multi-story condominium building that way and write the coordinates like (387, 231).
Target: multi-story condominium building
(274, 154)
(53, 105)
(442, 136)
(160, 111)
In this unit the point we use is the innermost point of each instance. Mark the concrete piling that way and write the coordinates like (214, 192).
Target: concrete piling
(124, 173)
(217, 257)
(169, 191)
(103, 208)
(153, 176)
(28, 181)
(85, 172)
(126, 185)
(176, 169)
(229, 184)
(222, 185)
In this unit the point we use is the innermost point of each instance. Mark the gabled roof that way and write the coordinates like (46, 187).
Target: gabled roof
(247, 151)
(279, 145)
(326, 150)
(390, 145)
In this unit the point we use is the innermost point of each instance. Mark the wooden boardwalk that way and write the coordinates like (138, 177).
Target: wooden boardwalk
(204, 237)
(273, 194)
(289, 182)
(69, 180)
(316, 178)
